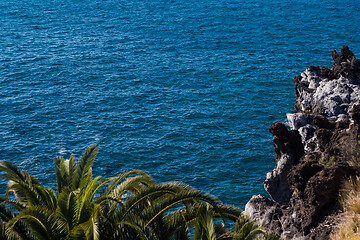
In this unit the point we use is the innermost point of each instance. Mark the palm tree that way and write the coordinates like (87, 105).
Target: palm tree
(130, 205)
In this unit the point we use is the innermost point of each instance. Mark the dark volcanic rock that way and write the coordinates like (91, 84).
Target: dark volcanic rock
(356, 114)
(319, 198)
(286, 142)
(289, 149)
(314, 183)
(346, 65)
(318, 154)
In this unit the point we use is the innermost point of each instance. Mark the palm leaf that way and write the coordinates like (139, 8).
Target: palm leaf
(172, 200)
(43, 223)
(204, 227)
(136, 229)
(19, 231)
(24, 192)
(14, 173)
(47, 197)
(83, 173)
(88, 230)
(116, 180)
(68, 207)
(86, 196)
(226, 212)
(177, 222)
(62, 173)
(246, 229)
(71, 164)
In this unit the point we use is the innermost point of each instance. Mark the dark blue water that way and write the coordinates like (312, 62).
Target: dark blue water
(183, 89)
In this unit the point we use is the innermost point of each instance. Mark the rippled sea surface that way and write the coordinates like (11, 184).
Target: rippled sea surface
(183, 89)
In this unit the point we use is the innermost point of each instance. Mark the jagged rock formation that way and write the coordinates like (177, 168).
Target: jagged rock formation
(319, 152)
(289, 149)
(329, 91)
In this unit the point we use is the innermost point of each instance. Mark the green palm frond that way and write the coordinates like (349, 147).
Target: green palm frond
(87, 230)
(43, 223)
(86, 196)
(133, 184)
(204, 227)
(226, 212)
(20, 183)
(246, 229)
(14, 173)
(71, 164)
(78, 233)
(171, 201)
(20, 230)
(116, 180)
(24, 192)
(188, 216)
(83, 172)
(107, 201)
(68, 207)
(136, 229)
(47, 197)
(18, 205)
(5, 212)
(90, 229)
(62, 171)
(177, 222)
(7, 234)
(26, 188)
(3, 234)
(65, 170)
(32, 195)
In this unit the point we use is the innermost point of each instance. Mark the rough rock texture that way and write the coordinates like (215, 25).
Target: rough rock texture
(319, 152)
(265, 211)
(329, 91)
(289, 150)
(303, 122)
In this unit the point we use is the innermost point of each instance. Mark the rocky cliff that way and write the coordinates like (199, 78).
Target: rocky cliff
(315, 154)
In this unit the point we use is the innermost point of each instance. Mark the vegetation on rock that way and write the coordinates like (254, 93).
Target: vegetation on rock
(349, 226)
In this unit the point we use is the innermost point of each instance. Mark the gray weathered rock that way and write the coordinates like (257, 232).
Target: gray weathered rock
(297, 120)
(329, 91)
(264, 211)
(276, 182)
(303, 122)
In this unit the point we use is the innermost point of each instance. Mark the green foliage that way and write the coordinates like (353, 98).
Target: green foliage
(130, 205)
(328, 162)
(297, 192)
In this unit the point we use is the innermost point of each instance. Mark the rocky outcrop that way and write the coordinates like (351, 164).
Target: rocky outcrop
(329, 91)
(265, 211)
(319, 152)
(289, 149)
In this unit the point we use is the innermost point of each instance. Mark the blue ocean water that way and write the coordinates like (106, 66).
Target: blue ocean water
(185, 90)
